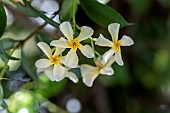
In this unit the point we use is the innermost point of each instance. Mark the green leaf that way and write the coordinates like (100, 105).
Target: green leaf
(27, 64)
(102, 14)
(27, 10)
(29, 58)
(66, 11)
(3, 19)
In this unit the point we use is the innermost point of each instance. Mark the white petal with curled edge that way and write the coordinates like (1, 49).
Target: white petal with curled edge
(59, 43)
(67, 30)
(114, 30)
(118, 58)
(49, 73)
(72, 77)
(89, 74)
(59, 72)
(102, 41)
(43, 63)
(45, 48)
(71, 59)
(86, 51)
(126, 41)
(107, 55)
(107, 71)
(85, 32)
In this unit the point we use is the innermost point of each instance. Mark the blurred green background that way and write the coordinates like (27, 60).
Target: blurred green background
(142, 85)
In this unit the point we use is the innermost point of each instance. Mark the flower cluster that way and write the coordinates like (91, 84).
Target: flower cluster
(57, 67)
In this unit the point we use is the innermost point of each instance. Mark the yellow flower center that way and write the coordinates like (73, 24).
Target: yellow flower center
(116, 45)
(98, 67)
(74, 44)
(55, 59)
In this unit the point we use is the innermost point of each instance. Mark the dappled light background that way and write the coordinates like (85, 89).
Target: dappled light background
(142, 85)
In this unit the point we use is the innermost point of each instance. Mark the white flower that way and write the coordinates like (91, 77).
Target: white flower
(71, 59)
(90, 73)
(115, 44)
(49, 72)
(53, 62)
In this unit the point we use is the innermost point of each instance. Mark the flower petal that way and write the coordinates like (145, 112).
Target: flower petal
(89, 74)
(86, 51)
(110, 61)
(40, 70)
(85, 32)
(114, 30)
(63, 39)
(99, 62)
(67, 30)
(107, 71)
(59, 43)
(107, 55)
(102, 41)
(62, 59)
(49, 73)
(43, 63)
(118, 58)
(45, 48)
(126, 41)
(72, 77)
(71, 59)
(59, 72)
(58, 51)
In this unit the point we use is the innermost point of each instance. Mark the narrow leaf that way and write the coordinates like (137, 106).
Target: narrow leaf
(102, 14)
(27, 64)
(66, 11)
(3, 19)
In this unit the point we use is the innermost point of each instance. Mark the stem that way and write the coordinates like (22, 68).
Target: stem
(34, 32)
(6, 64)
(74, 20)
(77, 27)
(92, 45)
(98, 54)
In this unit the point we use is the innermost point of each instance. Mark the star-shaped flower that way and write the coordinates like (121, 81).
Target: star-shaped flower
(54, 62)
(49, 73)
(71, 59)
(90, 73)
(115, 44)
